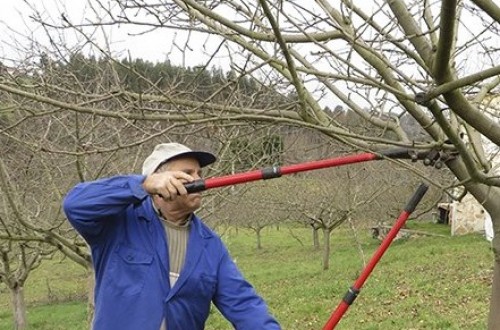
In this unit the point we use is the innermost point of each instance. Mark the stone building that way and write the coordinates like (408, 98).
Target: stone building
(466, 216)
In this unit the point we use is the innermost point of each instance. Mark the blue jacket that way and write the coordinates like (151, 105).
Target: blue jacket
(130, 258)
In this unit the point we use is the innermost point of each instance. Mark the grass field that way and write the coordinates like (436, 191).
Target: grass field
(425, 282)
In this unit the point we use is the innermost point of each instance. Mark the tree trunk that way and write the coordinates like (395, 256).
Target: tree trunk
(494, 316)
(494, 211)
(489, 197)
(90, 297)
(326, 249)
(315, 238)
(259, 243)
(19, 307)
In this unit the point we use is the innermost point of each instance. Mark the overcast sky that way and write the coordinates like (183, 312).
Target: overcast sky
(18, 30)
(16, 23)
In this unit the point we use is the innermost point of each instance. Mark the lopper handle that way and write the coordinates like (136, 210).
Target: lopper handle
(416, 198)
(356, 288)
(275, 171)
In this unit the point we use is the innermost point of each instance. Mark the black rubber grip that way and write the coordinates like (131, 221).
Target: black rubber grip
(271, 172)
(351, 295)
(416, 198)
(195, 186)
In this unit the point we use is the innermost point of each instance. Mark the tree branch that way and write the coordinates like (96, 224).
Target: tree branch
(412, 31)
(490, 8)
(441, 65)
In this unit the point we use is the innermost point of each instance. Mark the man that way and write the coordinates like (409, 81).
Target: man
(157, 266)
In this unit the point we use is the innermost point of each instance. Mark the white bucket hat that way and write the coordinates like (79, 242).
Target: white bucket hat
(167, 151)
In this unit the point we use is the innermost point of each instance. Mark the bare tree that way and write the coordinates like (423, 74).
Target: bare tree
(358, 193)
(21, 249)
(381, 62)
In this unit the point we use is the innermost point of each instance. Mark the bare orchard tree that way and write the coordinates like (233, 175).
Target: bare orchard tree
(436, 62)
(252, 216)
(356, 194)
(259, 206)
(21, 249)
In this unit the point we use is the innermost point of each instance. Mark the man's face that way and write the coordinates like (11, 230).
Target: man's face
(190, 166)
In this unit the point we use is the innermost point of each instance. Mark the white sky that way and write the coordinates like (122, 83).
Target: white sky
(16, 23)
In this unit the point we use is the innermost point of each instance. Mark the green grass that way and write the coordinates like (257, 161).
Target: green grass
(424, 282)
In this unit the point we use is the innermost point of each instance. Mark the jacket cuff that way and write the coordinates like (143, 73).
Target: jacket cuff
(135, 183)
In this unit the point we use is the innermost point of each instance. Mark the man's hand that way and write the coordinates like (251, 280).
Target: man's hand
(167, 184)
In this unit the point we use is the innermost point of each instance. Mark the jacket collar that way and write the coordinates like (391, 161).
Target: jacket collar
(196, 247)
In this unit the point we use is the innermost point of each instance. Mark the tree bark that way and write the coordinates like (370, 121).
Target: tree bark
(259, 243)
(326, 249)
(90, 297)
(488, 197)
(494, 315)
(315, 238)
(19, 307)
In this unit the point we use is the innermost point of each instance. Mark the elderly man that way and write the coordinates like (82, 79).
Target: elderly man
(157, 265)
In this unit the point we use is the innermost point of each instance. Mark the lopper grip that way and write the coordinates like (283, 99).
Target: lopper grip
(195, 186)
(416, 198)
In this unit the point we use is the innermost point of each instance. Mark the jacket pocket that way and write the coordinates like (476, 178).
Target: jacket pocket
(207, 285)
(200, 287)
(129, 269)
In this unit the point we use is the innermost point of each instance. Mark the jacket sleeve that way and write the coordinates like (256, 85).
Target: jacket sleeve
(89, 206)
(238, 302)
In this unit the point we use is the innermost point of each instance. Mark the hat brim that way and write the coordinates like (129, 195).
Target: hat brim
(204, 158)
